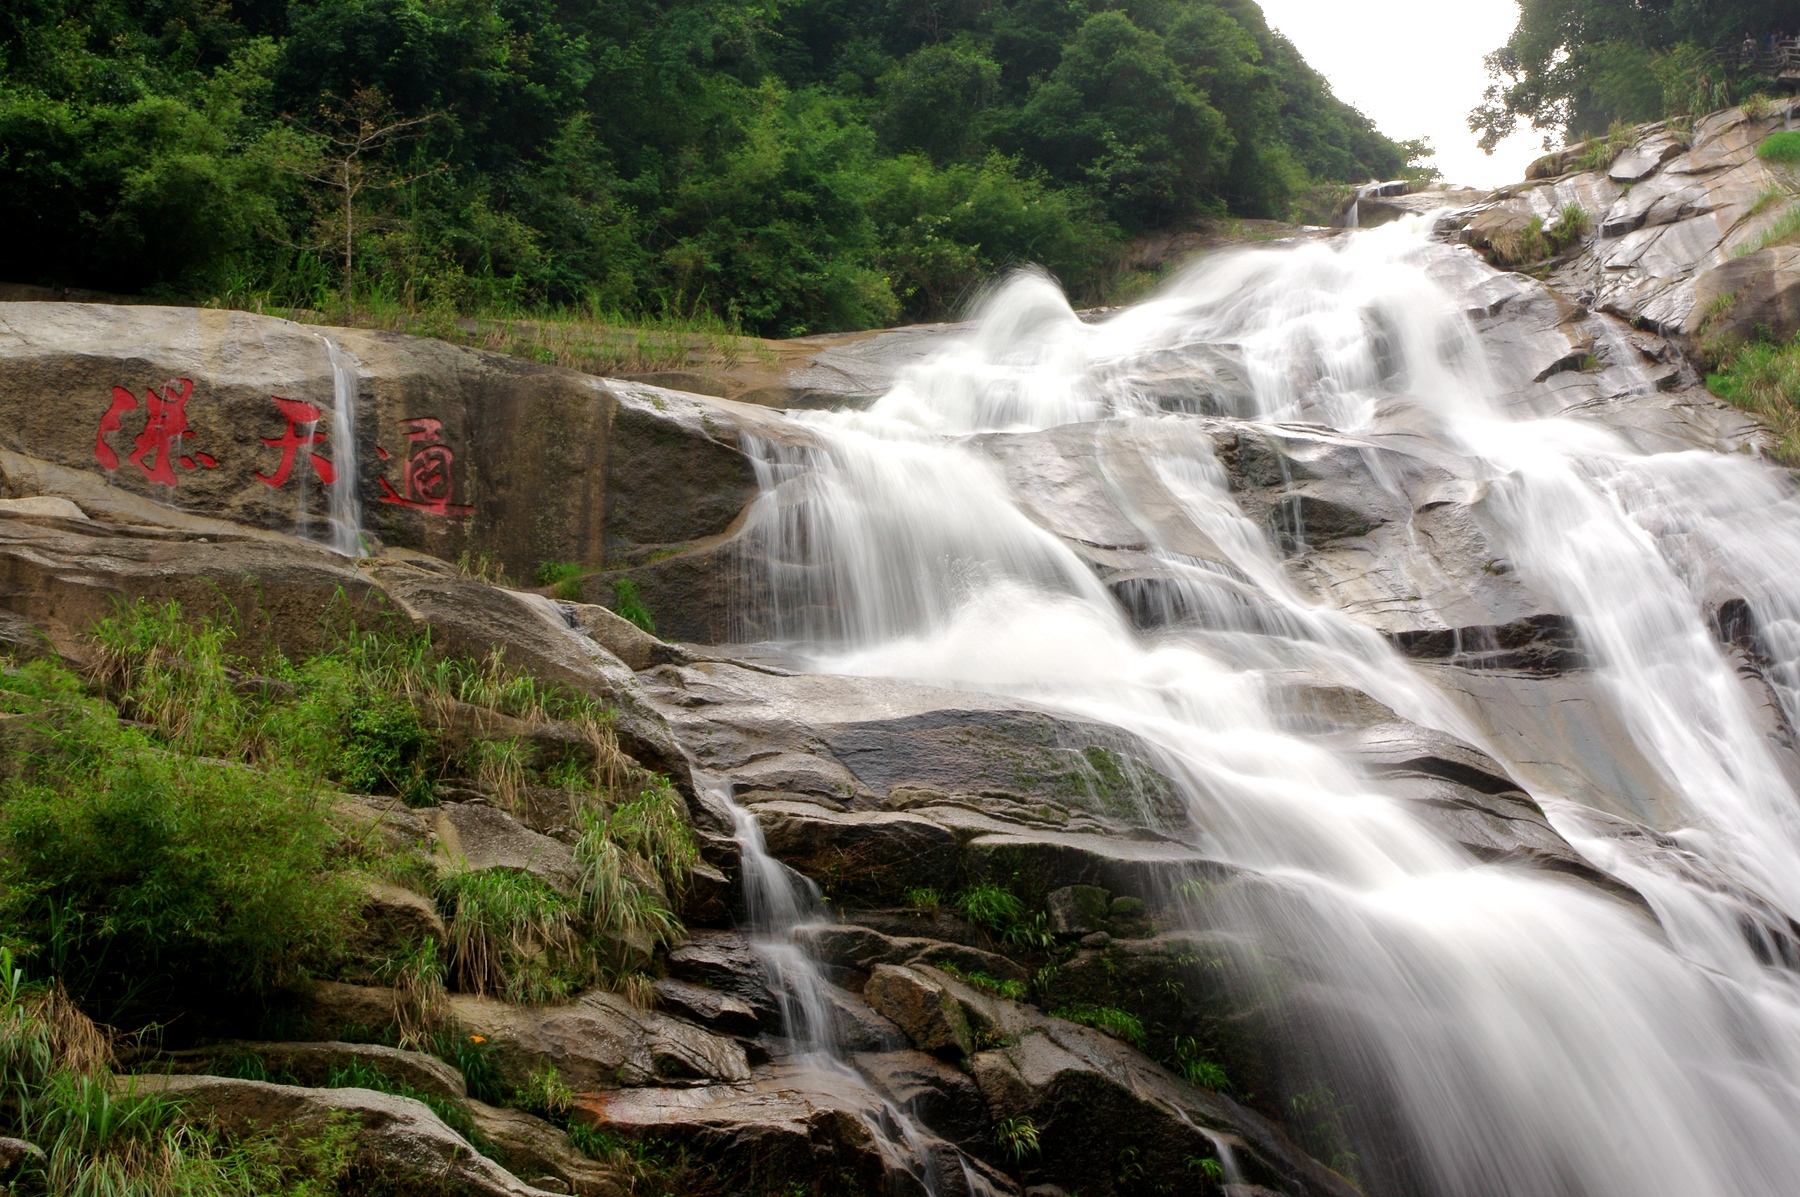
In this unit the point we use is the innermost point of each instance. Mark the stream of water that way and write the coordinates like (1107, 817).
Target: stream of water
(1481, 1030)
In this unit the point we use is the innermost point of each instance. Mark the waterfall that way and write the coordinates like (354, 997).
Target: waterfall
(345, 504)
(1488, 1031)
(778, 903)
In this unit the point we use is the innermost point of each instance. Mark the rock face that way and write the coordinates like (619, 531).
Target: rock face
(400, 1142)
(1668, 212)
(231, 416)
(600, 1041)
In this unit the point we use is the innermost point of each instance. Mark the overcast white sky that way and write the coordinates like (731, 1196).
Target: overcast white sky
(1414, 67)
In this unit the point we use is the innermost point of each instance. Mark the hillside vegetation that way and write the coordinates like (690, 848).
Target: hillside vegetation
(785, 167)
(1573, 68)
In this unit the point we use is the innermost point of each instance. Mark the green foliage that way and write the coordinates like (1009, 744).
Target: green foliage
(1193, 1065)
(565, 576)
(102, 1137)
(1017, 1136)
(1785, 230)
(145, 878)
(545, 1094)
(925, 898)
(513, 936)
(1012, 991)
(363, 1074)
(1572, 68)
(1764, 378)
(992, 906)
(665, 159)
(631, 604)
(1001, 911)
(1780, 147)
(1209, 1168)
(1119, 1023)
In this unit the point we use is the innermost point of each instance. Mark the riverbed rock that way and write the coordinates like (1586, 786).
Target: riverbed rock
(473, 838)
(919, 1004)
(532, 1148)
(400, 1142)
(793, 1123)
(599, 1041)
(392, 916)
(1756, 295)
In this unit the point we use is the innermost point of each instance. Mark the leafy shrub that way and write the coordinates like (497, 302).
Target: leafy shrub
(991, 906)
(1764, 379)
(564, 576)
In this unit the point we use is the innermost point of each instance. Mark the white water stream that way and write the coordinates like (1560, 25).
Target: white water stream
(345, 504)
(1484, 1030)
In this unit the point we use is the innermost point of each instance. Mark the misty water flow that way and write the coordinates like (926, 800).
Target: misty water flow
(1474, 1029)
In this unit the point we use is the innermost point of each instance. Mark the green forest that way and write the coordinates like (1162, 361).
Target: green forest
(783, 166)
(1573, 68)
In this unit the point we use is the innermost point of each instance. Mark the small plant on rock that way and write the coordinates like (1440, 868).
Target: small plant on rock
(1017, 1136)
(631, 604)
(545, 1094)
(1120, 1024)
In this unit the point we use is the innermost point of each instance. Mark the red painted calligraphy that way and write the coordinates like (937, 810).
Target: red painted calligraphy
(155, 450)
(293, 440)
(428, 480)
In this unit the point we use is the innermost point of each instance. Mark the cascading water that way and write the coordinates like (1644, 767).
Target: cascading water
(345, 505)
(1482, 1030)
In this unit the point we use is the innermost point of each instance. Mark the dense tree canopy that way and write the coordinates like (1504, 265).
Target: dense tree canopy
(1572, 67)
(792, 164)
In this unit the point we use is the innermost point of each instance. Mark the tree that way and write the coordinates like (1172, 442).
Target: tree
(933, 100)
(1117, 115)
(354, 138)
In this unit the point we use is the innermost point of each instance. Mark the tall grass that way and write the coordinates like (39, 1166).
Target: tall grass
(513, 936)
(593, 339)
(102, 1138)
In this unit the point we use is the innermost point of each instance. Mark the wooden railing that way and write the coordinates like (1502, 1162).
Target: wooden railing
(1782, 57)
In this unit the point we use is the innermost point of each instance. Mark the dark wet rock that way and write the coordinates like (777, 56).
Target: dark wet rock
(1756, 295)
(541, 1151)
(401, 1145)
(1536, 644)
(940, 1096)
(599, 1041)
(723, 962)
(1076, 909)
(710, 1008)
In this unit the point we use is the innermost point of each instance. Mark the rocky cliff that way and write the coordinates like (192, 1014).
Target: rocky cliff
(190, 455)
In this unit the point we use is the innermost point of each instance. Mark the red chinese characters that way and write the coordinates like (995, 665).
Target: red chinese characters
(293, 440)
(428, 480)
(156, 450)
